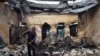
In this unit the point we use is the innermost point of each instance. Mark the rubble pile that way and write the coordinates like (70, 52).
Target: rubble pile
(56, 51)
(14, 51)
(67, 47)
(50, 51)
(4, 52)
(2, 43)
(55, 46)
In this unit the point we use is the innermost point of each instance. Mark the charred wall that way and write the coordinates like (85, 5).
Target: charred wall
(7, 17)
(91, 24)
(52, 19)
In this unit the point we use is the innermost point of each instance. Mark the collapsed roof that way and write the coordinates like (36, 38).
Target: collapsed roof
(61, 6)
(75, 6)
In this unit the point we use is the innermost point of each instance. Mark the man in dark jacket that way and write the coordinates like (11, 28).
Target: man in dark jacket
(30, 40)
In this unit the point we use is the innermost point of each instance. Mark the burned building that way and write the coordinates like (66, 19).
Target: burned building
(62, 38)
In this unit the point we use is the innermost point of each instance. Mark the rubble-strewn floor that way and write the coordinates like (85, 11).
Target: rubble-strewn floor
(60, 47)
(22, 51)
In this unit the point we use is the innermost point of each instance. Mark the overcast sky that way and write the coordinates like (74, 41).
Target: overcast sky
(52, 2)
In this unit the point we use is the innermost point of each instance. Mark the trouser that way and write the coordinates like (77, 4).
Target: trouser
(31, 48)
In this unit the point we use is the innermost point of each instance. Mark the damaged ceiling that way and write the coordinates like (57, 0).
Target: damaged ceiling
(62, 6)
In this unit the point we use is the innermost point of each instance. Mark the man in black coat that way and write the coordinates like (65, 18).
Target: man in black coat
(30, 40)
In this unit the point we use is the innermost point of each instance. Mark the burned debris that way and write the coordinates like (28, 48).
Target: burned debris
(2, 43)
(65, 46)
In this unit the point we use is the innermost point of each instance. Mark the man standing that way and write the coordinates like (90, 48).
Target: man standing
(31, 40)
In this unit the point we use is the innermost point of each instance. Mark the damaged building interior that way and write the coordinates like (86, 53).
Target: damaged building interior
(49, 28)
